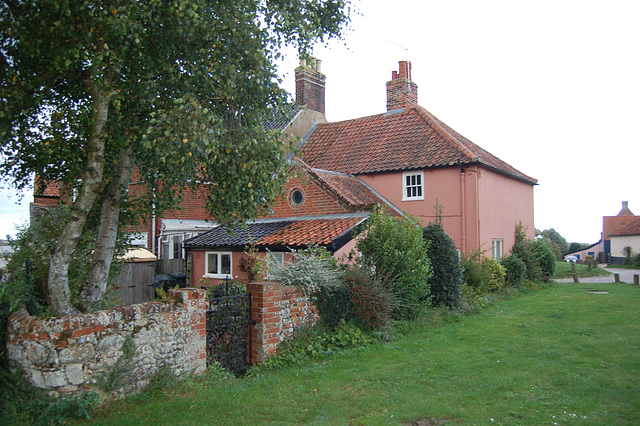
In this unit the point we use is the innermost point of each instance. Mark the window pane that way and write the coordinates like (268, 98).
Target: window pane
(212, 263)
(418, 191)
(225, 264)
(177, 246)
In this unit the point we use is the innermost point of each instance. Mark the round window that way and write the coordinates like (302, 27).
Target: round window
(297, 197)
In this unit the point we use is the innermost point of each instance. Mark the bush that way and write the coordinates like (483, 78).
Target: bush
(493, 275)
(334, 305)
(371, 302)
(545, 257)
(522, 249)
(515, 269)
(472, 272)
(313, 268)
(395, 250)
(447, 272)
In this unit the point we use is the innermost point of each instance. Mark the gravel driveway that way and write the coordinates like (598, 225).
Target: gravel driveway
(626, 276)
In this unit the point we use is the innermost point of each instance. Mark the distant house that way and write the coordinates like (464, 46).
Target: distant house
(610, 224)
(593, 250)
(625, 241)
(405, 158)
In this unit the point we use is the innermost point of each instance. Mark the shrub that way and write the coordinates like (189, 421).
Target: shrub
(447, 272)
(472, 272)
(522, 249)
(371, 302)
(545, 257)
(493, 275)
(313, 268)
(395, 250)
(515, 269)
(334, 305)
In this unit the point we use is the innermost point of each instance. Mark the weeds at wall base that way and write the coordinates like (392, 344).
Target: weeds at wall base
(21, 403)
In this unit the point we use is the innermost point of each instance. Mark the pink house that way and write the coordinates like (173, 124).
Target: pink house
(404, 158)
(413, 160)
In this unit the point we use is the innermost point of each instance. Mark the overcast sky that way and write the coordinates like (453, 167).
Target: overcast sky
(551, 87)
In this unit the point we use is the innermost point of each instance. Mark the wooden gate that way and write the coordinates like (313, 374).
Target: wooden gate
(134, 284)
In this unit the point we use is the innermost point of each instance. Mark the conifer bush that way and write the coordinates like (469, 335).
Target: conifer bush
(515, 269)
(522, 248)
(447, 271)
(493, 274)
(545, 257)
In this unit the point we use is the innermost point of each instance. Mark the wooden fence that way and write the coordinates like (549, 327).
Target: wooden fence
(135, 284)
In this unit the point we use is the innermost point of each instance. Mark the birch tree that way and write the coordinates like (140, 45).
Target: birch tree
(91, 91)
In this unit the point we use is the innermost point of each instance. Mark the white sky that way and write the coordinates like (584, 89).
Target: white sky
(551, 87)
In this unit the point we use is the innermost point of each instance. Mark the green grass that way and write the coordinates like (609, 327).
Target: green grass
(563, 270)
(559, 355)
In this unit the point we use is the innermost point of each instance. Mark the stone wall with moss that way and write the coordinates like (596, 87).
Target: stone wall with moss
(113, 351)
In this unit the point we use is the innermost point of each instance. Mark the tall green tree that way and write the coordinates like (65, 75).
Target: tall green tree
(92, 91)
(556, 242)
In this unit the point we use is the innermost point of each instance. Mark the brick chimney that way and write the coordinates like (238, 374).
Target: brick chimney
(401, 91)
(310, 83)
(625, 210)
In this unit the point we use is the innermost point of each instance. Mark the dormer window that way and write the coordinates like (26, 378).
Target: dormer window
(412, 186)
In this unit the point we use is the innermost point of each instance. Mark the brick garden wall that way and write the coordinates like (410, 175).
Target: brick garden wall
(69, 354)
(278, 311)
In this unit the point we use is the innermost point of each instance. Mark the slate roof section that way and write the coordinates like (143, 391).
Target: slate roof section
(629, 229)
(280, 118)
(330, 231)
(222, 237)
(398, 140)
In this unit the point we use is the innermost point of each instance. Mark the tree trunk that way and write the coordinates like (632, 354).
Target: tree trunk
(58, 280)
(108, 227)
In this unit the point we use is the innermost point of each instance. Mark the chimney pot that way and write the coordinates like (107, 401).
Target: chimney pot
(402, 92)
(310, 85)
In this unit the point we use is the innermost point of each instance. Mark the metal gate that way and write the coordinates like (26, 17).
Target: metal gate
(229, 328)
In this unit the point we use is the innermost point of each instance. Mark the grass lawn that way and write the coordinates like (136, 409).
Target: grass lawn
(560, 355)
(563, 270)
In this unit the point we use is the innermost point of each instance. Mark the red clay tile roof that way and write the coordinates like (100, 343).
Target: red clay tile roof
(348, 187)
(305, 232)
(611, 224)
(632, 228)
(398, 140)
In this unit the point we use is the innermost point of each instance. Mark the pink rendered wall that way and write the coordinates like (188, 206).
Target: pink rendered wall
(491, 207)
(444, 185)
(503, 203)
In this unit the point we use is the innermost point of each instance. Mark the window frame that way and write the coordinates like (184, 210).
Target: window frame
(219, 255)
(494, 245)
(272, 257)
(420, 186)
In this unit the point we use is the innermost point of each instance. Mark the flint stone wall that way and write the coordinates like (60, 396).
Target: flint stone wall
(277, 312)
(70, 354)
